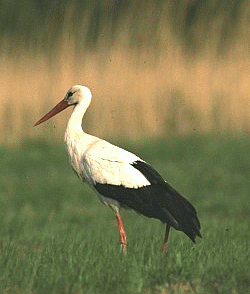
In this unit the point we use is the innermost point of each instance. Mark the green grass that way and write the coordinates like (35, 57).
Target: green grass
(56, 237)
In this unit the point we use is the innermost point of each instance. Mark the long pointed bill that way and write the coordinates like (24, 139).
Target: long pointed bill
(58, 108)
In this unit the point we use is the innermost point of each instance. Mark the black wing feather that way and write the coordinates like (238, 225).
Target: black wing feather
(158, 200)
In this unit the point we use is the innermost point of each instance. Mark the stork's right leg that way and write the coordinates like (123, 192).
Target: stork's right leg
(123, 237)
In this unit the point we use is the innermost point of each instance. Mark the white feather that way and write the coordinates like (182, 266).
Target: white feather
(96, 160)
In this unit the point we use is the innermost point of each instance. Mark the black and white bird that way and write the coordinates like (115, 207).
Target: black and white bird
(120, 178)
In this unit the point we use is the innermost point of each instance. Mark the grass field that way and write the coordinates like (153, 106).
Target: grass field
(56, 237)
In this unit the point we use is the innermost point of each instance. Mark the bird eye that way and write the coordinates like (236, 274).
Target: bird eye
(70, 94)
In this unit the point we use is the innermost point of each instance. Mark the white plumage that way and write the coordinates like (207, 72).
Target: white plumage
(103, 162)
(120, 178)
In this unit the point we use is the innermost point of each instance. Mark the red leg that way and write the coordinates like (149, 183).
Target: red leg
(165, 241)
(123, 238)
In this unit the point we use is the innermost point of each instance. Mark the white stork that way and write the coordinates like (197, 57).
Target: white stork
(120, 178)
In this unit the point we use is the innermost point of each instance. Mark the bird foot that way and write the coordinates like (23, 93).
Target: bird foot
(124, 248)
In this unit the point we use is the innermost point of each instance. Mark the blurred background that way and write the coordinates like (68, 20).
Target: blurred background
(154, 67)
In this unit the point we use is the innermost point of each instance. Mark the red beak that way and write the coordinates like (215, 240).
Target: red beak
(58, 108)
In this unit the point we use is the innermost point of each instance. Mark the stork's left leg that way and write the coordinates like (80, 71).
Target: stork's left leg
(165, 241)
(123, 238)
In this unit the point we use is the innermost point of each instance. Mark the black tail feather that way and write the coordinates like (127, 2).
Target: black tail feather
(179, 212)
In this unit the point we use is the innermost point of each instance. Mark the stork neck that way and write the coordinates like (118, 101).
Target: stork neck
(75, 121)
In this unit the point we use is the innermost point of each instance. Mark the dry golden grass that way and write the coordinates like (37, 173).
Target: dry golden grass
(135, 93)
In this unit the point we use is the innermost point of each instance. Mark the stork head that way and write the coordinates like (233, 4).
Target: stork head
(75, 95)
